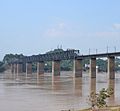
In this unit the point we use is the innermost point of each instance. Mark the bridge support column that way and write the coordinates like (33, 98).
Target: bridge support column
(56, 68)
(12, 68)
(28, 68)
(40, 68)
(111, 67)
(19, 68)
(15, 68)
(77, 68)
(93, 67)
(24, 67)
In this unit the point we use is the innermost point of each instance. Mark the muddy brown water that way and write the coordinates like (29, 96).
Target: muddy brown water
(47, 93)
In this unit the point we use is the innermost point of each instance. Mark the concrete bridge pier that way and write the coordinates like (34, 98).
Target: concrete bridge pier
(111, 67)
(93, 67)
(56, 68)
(40, 68)
(19, 68)
(77, 68)
(24, 67)
(28, 68)
(15, 68)
(12, 68)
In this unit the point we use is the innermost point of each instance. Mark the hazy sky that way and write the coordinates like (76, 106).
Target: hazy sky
(36, 26)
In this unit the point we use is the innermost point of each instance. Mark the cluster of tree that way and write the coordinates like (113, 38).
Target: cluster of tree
(98, 100)
(11, 57)
(2, 67)
(8, 58)
(66, 65)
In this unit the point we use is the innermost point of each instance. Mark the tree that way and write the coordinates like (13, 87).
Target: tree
(2, 67)
(10, 57)
(97, 100)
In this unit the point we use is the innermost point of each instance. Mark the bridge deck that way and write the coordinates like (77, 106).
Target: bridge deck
(65, 55)
(99, 55)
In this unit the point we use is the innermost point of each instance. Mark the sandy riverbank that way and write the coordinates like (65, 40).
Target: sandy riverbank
(109, 108)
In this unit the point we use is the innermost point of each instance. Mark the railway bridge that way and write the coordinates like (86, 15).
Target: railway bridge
(17, 65)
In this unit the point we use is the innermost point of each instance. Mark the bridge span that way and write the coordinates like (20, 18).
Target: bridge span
(17, 65)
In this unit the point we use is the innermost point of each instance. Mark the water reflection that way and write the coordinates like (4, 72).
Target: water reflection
(77, 83)
(92, 85)
(111, 84)
(40, 79)
(56, 83)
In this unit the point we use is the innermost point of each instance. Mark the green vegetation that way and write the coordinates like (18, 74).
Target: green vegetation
(7, 58)
(2, 67)
(54, 51)
(66, 65)
(102, 64)
(10, 57)
(98, 100)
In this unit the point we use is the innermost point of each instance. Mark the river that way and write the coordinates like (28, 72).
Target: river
(47, 93)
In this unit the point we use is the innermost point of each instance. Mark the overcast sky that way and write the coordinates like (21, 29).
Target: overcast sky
(36, 26)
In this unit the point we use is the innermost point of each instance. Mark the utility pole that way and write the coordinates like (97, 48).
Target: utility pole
(96, 51)
(89, 51)
(115, 48)
(107, 49)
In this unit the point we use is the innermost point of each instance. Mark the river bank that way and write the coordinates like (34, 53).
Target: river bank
(109, 108)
